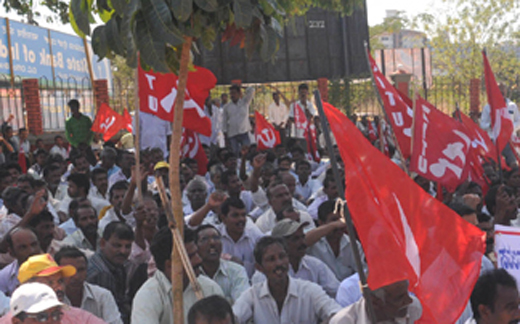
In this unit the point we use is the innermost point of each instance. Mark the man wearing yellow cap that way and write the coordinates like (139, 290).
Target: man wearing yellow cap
(43, 269)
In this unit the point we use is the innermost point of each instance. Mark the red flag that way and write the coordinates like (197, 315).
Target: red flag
(440, 146)
(157, 93)
(265, 134)
(501, 123)
(400, 113)
(191, 147)
(300, 120)
(22, 160)
(405, 232)
(128, 125)
(107, 122)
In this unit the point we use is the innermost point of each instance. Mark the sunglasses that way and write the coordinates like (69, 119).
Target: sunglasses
(44, 317)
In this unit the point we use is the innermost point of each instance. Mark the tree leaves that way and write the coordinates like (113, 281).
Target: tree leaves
(181, 9)
(158, 17)
(79, 16)
(207, 5)
(152, 51)
(99, 42)
(243, 10)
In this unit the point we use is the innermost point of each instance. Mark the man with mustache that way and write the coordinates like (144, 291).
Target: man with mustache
(86, 236)
(391, 303)
(301, 266)
(281, 298)
(238, 240)
(114, 212)
(79, 293)
(43, 269)
(229, 275)
(107, 267)
(153, 302)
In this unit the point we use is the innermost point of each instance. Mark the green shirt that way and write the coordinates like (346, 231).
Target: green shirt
(77, 130)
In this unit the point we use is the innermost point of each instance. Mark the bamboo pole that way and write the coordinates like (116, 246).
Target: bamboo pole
(137, 138)
(175, 190)
(89, 65)
(178, 240)
(10, 50)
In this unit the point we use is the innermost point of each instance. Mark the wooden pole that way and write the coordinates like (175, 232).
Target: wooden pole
(10, 49)
(52, 56)
(175, 190)
(137, 138)
(346, 217)
(89, 64)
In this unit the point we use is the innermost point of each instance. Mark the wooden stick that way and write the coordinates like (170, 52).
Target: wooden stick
(175, 190)
(137, 138)
(10, 49)
(178, 241)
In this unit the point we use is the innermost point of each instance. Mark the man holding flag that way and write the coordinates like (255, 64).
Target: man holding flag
(302, 114)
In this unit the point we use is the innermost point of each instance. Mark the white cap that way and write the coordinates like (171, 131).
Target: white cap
(33, 298)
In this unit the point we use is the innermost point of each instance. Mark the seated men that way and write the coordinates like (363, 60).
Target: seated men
(282, 299)
(391, 304)
(152, 303)
(86, 237)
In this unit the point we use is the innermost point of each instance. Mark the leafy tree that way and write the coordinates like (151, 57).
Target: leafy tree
(390, 25)
(460, 29)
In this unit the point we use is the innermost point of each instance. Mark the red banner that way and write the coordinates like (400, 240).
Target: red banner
(405, 232)
(157, 93)
(265, 134)
(107, 122)
(191, 147)
(128, 125)
(399, 113)
(501, 124)
(441, 146)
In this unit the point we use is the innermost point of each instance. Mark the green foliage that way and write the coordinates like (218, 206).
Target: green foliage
(464, 29)
(389, 25)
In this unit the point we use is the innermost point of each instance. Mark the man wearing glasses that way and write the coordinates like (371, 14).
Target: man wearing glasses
(36, 303)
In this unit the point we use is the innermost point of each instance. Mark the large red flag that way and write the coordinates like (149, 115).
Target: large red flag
(400, 113)
(501, 124)
(157, 93)
(265, 134)
(440, 146)
(191, 147)
(107, 122)
(405, 232)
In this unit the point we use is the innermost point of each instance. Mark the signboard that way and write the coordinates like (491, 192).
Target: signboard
(55, 110)
(507, 249)
(36, 55)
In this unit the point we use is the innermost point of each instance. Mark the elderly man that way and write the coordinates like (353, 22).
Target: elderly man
(301, 266)
(86, 236)
(197, 192)
(391, 304)
(230, 276)
(152, 303)
(43, 269)
(282, 299)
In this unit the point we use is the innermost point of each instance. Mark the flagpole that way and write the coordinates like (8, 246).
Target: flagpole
(348, 219)
(414, 103)
(397, 147)
(137, 141)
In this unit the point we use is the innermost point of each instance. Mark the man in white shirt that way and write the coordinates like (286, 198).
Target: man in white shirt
(309, 111)
(217, 137)
(229, 275)
(59, 147)
(495, 299)
(334, 246)
(21, 142)
(235, 119)
(330, 192)
(301, 266)
(279, 198)
(238, 240)
(153, 302)
(282, 299)
(154, 132)
(99, 178)
(305, 186)
(278, 114)
(514, 114)
(126, 161)
(391, 304)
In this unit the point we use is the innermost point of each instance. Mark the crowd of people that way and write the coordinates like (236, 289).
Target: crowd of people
(262, 230)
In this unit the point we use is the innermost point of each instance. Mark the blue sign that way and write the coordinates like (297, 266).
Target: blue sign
(35, 55)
